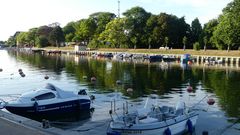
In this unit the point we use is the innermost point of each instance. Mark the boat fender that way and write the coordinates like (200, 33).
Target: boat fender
(167, 131)
(35, 106)
(190, 126)
(92, 97)
(2, 105)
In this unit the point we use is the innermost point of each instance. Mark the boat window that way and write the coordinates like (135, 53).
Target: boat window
(44, 96)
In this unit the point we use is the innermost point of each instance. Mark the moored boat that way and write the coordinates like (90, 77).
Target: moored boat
(48, 101)
(157, 120)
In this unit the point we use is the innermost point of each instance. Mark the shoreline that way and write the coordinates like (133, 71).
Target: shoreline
(231, 53)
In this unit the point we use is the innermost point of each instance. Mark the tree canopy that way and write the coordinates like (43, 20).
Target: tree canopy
(140, 29)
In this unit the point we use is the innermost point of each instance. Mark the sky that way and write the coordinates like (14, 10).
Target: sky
(21, 15)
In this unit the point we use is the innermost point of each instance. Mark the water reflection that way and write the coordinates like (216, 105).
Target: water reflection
(164, 80)
(66, 120)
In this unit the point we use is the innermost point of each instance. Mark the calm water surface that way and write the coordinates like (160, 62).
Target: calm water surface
(161, 83)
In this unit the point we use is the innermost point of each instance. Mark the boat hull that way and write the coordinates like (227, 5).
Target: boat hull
(175, 126)
(50, 109)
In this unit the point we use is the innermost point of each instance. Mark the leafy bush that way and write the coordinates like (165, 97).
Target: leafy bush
(196, 46)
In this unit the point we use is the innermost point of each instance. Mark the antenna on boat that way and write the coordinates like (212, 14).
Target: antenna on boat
(146, 103)
(126, 107)
(114, 105)
(123, 108)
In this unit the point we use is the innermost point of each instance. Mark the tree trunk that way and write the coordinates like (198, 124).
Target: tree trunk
(184, 47)
(205, 47)
(228, 48)
(149, 46)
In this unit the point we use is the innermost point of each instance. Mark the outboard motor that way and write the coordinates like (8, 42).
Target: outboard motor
(82, 92)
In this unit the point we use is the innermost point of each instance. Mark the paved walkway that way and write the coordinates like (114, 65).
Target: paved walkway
(11, 128)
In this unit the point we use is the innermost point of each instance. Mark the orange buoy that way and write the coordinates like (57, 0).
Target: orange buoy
(189, 89)
(211, 101)
(93, 79)
(46, 77)
(189, 62)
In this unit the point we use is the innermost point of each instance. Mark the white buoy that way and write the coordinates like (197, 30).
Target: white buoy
(129, 90)
(93, 79)
(85, 77)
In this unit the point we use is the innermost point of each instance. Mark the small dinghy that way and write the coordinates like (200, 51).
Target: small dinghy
(48, 101)
(157, 120)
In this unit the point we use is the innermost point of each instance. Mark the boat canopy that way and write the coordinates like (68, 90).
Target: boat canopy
(50, 87)
(60, 93)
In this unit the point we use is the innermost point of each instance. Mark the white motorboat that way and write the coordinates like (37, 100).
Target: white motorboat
(47, 101)
(157, 120)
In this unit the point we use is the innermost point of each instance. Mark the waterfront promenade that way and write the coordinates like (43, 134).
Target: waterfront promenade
(12, 128)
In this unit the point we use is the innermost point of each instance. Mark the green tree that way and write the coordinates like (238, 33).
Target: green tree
(208, 30)
(69, 31)
(31, 36)
(115, 36)
(227, 32)
(11, 41)
(102, 19)
(136, 19)
(56, 36)
(42, 41)
(151, 26)
(165, 25)
(44, 31)
(196, 30)
(22, 39)
(85, 30)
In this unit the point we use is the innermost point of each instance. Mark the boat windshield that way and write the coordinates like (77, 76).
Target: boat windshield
(50, 86)
(44, 96)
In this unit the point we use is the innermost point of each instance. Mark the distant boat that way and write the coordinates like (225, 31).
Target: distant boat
(185, 58)
(49, 100)
(157, 120)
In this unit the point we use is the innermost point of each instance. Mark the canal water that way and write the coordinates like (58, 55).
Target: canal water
(133, 81)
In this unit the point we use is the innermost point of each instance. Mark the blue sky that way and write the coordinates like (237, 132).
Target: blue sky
(21, 15)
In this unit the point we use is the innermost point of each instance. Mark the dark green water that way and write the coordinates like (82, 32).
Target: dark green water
(162, 82)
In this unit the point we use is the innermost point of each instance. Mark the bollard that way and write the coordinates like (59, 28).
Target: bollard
(45, 123)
